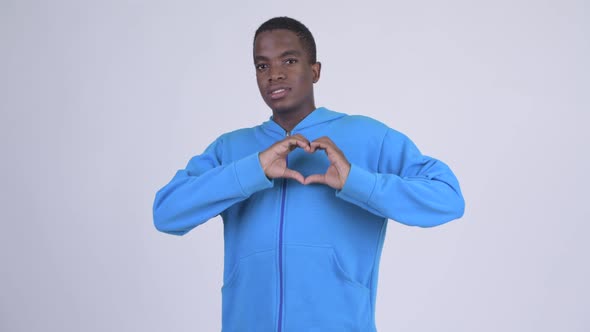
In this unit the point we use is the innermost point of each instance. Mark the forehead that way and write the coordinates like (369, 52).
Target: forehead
(275, 42)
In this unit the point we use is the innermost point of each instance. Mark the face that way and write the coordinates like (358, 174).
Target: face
(284, 73)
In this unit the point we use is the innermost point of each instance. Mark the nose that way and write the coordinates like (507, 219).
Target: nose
(276, 73)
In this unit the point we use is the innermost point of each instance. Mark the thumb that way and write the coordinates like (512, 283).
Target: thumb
(315, 178)
(291, 174)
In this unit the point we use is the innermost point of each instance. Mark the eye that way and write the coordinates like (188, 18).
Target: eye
(261, 66)
(290, 61)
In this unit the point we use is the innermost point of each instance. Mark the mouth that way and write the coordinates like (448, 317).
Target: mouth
(278, 93)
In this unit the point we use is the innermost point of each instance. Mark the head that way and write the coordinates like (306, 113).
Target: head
(286, 65)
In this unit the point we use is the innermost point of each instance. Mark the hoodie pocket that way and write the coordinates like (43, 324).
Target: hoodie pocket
(320, 295)
(249, 294)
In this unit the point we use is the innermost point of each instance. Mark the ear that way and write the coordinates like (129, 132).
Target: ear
(316, 68)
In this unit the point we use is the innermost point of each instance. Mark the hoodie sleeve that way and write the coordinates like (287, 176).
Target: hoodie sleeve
(205, 188)
(408, 187)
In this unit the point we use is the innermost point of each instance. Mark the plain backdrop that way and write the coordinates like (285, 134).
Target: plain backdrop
(103, 101)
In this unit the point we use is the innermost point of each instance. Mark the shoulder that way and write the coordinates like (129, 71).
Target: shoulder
(363, 120)
(364, 125)
(227, 145)
(237, 134)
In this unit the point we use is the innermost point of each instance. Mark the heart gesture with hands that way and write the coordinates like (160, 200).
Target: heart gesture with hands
(274, 161)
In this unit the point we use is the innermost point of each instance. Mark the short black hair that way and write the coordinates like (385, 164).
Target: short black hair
(295, 26)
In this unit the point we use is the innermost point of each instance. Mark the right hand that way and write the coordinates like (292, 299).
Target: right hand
(274, 159)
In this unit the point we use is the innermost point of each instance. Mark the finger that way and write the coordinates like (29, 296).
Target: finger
(335, 155)
(292, 143)
(291, 174)
(301, 141)
(325, 140)
(315, 178)
(315, 145)
(298, 137)
(327, 144)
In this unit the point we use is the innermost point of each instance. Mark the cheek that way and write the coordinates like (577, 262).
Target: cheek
(305, 82)
(259, 81)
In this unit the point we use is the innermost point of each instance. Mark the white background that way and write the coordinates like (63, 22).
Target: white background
(101, 102)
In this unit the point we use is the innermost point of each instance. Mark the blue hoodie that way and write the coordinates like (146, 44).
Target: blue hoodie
(302, 258)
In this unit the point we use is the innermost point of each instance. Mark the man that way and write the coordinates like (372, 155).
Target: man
(305, 198)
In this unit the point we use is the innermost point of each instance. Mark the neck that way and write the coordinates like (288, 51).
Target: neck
(289, 119)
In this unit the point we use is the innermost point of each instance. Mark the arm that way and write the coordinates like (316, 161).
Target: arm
(205, 189)
(409, 187)
(207, 186)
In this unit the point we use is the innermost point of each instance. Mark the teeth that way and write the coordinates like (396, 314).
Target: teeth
(278, 91)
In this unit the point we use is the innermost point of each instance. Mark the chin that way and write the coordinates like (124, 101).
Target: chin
(281, 108)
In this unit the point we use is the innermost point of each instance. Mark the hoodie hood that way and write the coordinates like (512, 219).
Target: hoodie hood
(318, 116)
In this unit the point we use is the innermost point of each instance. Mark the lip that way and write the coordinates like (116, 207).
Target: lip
(277, 92)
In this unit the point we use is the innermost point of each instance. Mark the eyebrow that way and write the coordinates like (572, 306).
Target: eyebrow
(284, 54)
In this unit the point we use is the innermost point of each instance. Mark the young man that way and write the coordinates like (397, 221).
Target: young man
(305, 198)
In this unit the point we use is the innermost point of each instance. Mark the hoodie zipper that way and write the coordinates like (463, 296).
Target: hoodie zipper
(281, 223)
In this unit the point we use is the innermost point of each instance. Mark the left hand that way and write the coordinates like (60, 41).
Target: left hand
(337, 172)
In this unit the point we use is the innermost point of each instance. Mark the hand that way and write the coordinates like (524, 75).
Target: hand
(339, 168)
(274, 159)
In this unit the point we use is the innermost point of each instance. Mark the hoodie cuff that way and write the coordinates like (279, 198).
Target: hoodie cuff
(250, 175)
(359, 185)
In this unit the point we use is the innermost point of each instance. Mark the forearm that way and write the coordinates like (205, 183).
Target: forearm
(425, 200)
(189, 200)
